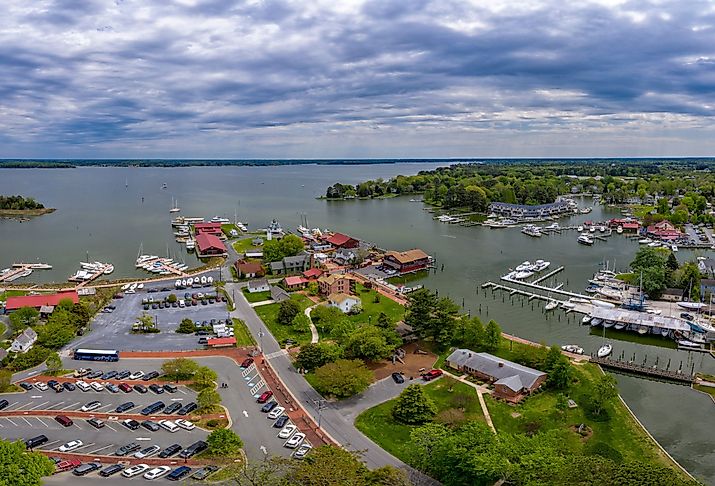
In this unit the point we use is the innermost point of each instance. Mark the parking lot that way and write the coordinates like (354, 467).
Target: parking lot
(115, 329)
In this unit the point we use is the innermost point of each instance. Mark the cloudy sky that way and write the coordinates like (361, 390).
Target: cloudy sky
(351, 78)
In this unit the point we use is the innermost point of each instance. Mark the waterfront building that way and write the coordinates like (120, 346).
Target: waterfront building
(342, 301)
(260, 285)
(292, 264)
(523, 211)
(511, 381)
(664, 230)
(343, 256)
(406, 261)
(24, 341)
(37, 301)
(208, 229)
(209, 245)
(628, 225)
(246, 269)
(339, 240)
(336, 284)
(221, 342)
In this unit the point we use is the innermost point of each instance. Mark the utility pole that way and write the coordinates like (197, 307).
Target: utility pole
(320, 405)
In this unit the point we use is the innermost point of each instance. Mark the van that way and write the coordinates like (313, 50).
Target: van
(64, 420)
(36, 441)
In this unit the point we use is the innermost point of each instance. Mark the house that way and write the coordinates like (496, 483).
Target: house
(406, 261)
(222, 342)
(707, 267)
(664, 230)
(707, 288)
(522, 211)
(320, 246)
(246, 269)
(336, 284)
(313, 274)
(295, 282)
(260, 285)
(344, 256)
(37, 301)
(292, 264)
(278, 294)
(339, 240)
(511, 381)
(24, 341)
(46, 311)
(344, 302)
(210, 245)
(208, 229)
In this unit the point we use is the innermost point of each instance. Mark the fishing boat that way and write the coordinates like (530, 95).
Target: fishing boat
(585, 319)
(584, 239)
(551, 305)
(604, 350)
(572, 348)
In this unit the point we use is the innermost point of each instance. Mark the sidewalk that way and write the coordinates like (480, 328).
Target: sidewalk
(481, 390)
(313, 330)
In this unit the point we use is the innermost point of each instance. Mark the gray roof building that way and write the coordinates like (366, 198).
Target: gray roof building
(278, 294)
(501, 370)
(258, 283)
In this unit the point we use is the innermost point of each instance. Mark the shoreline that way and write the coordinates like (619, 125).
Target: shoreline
(24, 213)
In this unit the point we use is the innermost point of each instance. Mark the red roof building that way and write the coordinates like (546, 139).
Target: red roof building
(313, 273)
(664, 230)
(209, 245)
(208, 229)
(224, 342)
(339, 240)
(295, 282)
(37, 301)
(406, 261)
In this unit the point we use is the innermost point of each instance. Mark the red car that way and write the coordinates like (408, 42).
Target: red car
(247, 362)
(67, 465)
(265, 396)
(125, 388)
(432, 374)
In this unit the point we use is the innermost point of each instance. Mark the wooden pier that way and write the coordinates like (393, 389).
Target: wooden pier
(19, 268)
(548, 275)
(630, 367)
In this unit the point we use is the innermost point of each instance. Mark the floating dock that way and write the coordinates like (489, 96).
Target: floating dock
(20, 270)
(630, 367)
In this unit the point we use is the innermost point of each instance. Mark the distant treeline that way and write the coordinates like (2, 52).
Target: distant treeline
(19, 203)
(613, 167)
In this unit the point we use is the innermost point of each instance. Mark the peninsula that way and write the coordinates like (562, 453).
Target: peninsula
(19, 206)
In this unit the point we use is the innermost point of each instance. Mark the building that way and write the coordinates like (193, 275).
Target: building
(260, 285)
(336, 284)
(511, 381)
(707, 288)
(628, 225)
(343, 256)
(292, 264)
(24, 341)
(246, 269)
(208, 229)
(339, 240)
(278, 294)
(344, 302)
(522, 211)
(664, 230)
(37, 301)
(406, 261)
(209, 246)
(295, 282)
(222, 342)
(313, 274)
(707, 267)
(46, 311)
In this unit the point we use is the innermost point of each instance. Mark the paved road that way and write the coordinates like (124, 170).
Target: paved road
(379, 392)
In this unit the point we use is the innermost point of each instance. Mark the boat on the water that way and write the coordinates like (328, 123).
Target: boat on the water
(642, 330)
(595, 322)
(551, 305)
(600, 303)
(585, 239)
(572, 348)
(608, 323)
(531, 230)
(619, 326)
(604, 350)
(585, 319)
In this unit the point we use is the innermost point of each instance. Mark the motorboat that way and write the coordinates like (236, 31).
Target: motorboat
(602, 304)
(645, 241)
(592, 229)
(183, 282)
(579, 229)
(551, 305)
(684, 343)
(125, 286)
(642, 330)
(579, 300)
(217, 219)
(595, 322)
(572, 348)
(604, 350)
(140, 286)
(190, 245)
(177, 284)
(607, 324)
(189, 281)
(619, 326)
(655, 312)
(654, 244)
(527, 265)
(674, 248)
(209, 280)
(541, 265)
(665, 332)
(568, 305)
(585, 319)
(610, 293)
(532, 230)
(584, 239)
(691, 305)
(108, 269)
(591, 289)
(619, 230)
(552, 226)
(523, 275)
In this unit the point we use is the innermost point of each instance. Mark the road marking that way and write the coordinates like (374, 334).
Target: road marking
(245, 414)
(51, 443)
(181, 391)
(2, 426)
(143, 438)
(56, 405)
(103, 406)
(42, 422)
(38, 406)
(9, 420)
(36, 396)
(109, 426)
(16, 404)
(86, 445)
(76, 424)
(28, 422)
(70, 406)
(100, 449)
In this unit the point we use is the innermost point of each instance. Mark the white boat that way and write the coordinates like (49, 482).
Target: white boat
(531, 230)
(604, 350)
(523, 275)
(655, 312)
(189, 281)
(596, 322)
(642, 330)
(584, 239)
(190, 245)
(140, 286)
(209, 280)
(568, 305)
(108, 269)
(551, 305)
(674, 248)
(654, 244)
(133, 286)
(25, 273)
(572, 348)
(540, 265)
(619, 326)
(691, 305)
(592, 229)
(217, 219)
(607, 324)
(600, 303)
(619, 230)
(586, 319)
(174, 206)
(645, 241)
(523, 266)
(609, 293)
(552, 226)
(579, 300)
(684, 343)
(664, 332)
(125, 286)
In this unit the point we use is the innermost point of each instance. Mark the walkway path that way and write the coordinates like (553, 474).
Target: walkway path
(481, 390)
(313, 330)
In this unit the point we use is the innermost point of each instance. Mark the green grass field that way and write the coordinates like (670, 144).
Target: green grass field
(268, 314)
(256, 296)
(377, 422)
(241, 333)
(243, 245)
(371, 310)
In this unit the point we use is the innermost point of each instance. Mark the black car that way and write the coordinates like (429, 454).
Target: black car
(172, 408)
(152, 291)
(112, 387)
(687, 316)
(150, 376)
(174, 304)
(69, 386)
(124, 407)
(204, 472)
(26, 386)
(153, 408)
(140, 388)
(127, 449)
(158, 389)
(179, 473)
(146, 306)
(95, 374)
(398, 378)
(193, 449)
(122, 374)
(96, 423)
(36, 441)
(113, 469)
(155, 306)
(269, 406)
(170, 451)
(131, 424)
(52, 383)
(202, 332)
(281, 421)
(149, 425)
(86, 468)
(188, 408)
(170, 388)
(3, 404)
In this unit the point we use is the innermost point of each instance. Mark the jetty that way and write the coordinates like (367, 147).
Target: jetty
(19, 270)
(548, 275)
(642, 369)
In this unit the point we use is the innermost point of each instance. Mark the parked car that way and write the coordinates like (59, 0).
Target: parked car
(687, 316)
(157, 472)
(185, 424)
(179, 473)
(4, 403)
(87, 468)
(188, 408)
(127, 449)
(83, 386)
(124, 407)
(398, 378)
(158, 389)
(136, 375)
(246, 362)
(122, 374)
(264, 396)
(204, 472)
(302, 451)
(69, 386)
(79, 373)
(66, 464)
(295, 441)
(150, 425)
(151, 375)
(193, 449)
(153, 408)
(147, 452)
(71, 445)
(110, 470)
(140, 388)
(269, 406)
(96, 386)
(130, 472)
(93, 405)
(95, 374)
(41, 386)
(170, 388)
(170, 451)
(64, 421)
(276, 412)
(282, 420)
(36, 441)
(26, 386)
(432, 374)
(171, 408)
(169, 425)
(287, 431)
(96, 423)
(131, 424)
(111, 387)
(109, 375)
(126, 388)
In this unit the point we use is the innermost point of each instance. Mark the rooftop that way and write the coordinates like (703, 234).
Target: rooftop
(408, 256)
(205, 242)
(495, 367)
(256, 284)
(18, 302)
(340, 297)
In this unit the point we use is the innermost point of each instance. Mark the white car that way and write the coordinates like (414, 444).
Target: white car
(136, 375)
(91, 406)
(41, 386)
(147, 452)
(276, 412)
(185, 424)
(294, 441)
(96, 386)
(302, 451)
(71, 445)
(168, 425)
(130, 472)
(83, 386)
(287, 431)
(157, 472)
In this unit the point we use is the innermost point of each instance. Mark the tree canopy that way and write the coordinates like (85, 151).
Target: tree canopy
(343, 378)
(19, 467)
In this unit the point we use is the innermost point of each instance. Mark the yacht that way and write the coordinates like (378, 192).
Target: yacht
(275, 229)
(604, 350)
(592, 229)
(602, 304)
(540, 265)
(524, 266)
(41, 266)
(691, 305)
(531, 230)
(174, 206)
(609, 293)
(24, 273)
(553, 226)
(217, 219)
(190, 245)
(584, 239)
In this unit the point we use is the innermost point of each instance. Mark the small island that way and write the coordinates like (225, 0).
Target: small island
(21, 207)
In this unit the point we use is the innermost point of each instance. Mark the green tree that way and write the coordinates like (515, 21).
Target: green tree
(20, 467)
(171, 298)
(368, 342)
(472, 332)
(414, 406)
(146, 322)
(559, 376)
(224, 443)
(186, 326)
(315, 355)
(312, 288)
(23, 317)
(5, 380)
(275, 250)
(36, 355)
(53, 362)
(54, 334)
(287, 311)
(492, 336)
(179, 369)
(208, 399)
(431, 317)
(603, 392)
(690, 280)
(343, 378)
(384, 322)
(301, 323)
(672, 262)
(205, 377)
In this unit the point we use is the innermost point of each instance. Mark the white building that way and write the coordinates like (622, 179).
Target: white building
(24, 341)
(260, 285)
(342, 301)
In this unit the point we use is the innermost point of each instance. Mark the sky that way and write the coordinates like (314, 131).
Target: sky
(356, 78)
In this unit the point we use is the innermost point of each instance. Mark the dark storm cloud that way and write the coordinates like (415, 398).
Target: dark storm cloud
(84, 71)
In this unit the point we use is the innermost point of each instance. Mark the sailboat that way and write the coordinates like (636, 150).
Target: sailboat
(174, 206)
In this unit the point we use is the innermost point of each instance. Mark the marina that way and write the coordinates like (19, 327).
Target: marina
(21, 270)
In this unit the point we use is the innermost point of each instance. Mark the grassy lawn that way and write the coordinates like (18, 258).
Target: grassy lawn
(268, 314)
(705, 389)
(226, 228)
(240, 332)
(639, 211)
(243, 245)
(377, 422)
(371, 309)
(256, 296)
(11, 293)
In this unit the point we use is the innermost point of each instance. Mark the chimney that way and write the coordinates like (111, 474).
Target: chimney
(501, 364)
